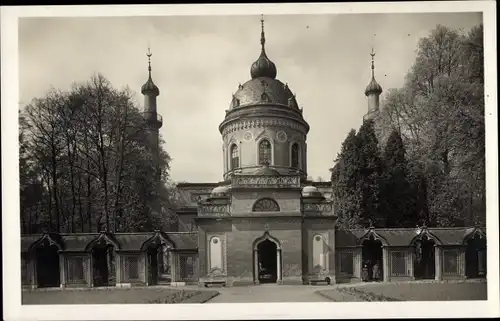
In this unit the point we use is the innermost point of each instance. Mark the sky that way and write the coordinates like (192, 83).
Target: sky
(198, 62)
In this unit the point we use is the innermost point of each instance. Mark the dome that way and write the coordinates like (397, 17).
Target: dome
(266, 171)
(263, 67)
(373, 88)
(264, 90)
(310, 191)
(150, 88)
(220, 191)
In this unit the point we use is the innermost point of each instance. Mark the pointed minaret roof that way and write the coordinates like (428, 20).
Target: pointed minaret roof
(149, 87)
(373, 87)
(263, 67)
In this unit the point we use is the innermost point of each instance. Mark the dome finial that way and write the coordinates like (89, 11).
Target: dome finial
(373, 63)
(263, 67)
(373, 87)
(149, 54)
(149, 87)
(262, 34)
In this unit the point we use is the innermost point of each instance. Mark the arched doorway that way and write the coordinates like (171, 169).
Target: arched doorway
(47, 266)
(425, 258)
(372, 259)
(103, 264)
(475, 257)
(158, 256)
(267, 260)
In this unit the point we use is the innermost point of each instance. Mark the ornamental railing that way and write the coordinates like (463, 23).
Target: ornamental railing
(318, 208)
(265, 181)
(213, 210)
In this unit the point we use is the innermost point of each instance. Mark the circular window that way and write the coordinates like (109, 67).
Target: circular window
(317, 238)
(215, 240)
(248, 136)
(281, 136)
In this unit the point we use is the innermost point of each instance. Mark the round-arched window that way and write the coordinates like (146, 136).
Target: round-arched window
(264, 152)
(235, 157)
(295, 156)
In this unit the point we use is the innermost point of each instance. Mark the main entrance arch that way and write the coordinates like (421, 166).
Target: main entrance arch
(267, 259)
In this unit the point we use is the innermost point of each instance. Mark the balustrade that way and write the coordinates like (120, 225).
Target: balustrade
(266, 181)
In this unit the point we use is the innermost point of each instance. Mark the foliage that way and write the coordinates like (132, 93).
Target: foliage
(433, 137)
(440, 115)
(369, 178)
(85, 163)
(347, 195)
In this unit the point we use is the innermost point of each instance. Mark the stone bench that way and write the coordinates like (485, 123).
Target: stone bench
(213, 282)
(326, 280)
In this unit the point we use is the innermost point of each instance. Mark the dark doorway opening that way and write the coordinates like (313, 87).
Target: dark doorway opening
(371, 255)
(475, 258)
(267, 257)
(153, 254)
(103, 268)
(47, 266)
(425, 258)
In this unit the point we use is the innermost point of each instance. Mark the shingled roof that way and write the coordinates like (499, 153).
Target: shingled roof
(79, 242)
(405, 236)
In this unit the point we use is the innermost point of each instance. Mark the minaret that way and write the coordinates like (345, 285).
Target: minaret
(372, 91)
(153, 120)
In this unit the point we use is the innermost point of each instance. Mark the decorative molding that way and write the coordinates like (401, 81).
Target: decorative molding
(264, 237)
(265, 181)
(214, 210)
(45, 241)
(103, 239)
(318, 208)
(263, 123)
(158, 239)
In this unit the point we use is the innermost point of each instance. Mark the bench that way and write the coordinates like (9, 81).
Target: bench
(326, 280)
(212, 282)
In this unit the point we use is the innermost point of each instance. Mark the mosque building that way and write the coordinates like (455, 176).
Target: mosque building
(264, 222)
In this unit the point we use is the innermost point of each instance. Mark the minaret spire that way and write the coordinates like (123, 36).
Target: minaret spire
(373, 63)
(262, 34)
(149, 54)
(263, 67)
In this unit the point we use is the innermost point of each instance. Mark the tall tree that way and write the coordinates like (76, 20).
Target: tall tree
(370, 165)
(397, 203)
(345, 173)
(440, 115)
(85, 151)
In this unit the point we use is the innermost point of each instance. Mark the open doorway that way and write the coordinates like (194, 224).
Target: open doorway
(371, 256)
(158, 256)
(103, 267)
(425, 258)
(47, 266)
(475, 257)
(267, 262)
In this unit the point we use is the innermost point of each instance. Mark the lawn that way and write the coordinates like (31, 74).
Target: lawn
(410, 292)
(117, 296)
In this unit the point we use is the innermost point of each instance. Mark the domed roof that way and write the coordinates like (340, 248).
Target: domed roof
(220, 190)
(263, 67)
(150, 88)
(310, 191)
(266, 171)
(373, 88)
(264, 90)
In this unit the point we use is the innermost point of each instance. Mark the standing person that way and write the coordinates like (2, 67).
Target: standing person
(364, 272)
(376, 272)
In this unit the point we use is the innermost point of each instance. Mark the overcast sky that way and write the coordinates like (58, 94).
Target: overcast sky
(199, 61)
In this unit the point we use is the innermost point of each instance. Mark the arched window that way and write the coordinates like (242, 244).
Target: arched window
(266, 205)
(235, 157)
(264, 152)
(295, 156)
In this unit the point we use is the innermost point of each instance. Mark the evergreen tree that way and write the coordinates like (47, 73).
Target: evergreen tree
(397, 203)
(345, 174)
(370, 165)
